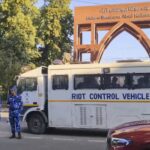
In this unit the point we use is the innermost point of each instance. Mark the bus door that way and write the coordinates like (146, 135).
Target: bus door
(59, 105)
(27, 88)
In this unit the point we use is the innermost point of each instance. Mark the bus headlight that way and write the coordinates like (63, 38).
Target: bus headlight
(115, 142)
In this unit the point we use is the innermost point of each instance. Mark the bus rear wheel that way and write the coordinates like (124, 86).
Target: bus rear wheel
(36, 124)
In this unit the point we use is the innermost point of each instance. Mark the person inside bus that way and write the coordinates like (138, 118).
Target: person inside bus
(88, 83)
(143, 82)
(114, 83)
(146, 81)
(140, 82)
(84, 83)
(93, 83)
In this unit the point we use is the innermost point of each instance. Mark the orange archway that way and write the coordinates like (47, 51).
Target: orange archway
(131, 28)
(131, 17)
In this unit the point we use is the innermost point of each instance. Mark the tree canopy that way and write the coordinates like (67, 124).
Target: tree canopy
(55, 29)
(32, 36)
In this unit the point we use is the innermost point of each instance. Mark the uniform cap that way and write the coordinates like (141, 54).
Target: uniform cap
(14, 88)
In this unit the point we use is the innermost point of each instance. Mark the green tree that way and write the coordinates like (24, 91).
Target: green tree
(55, 29)
(17, 38)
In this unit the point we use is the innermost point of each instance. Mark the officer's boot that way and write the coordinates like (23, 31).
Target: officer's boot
(13, 135)
(19, 135)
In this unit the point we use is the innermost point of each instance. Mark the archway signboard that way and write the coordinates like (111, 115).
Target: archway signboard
(115, 19)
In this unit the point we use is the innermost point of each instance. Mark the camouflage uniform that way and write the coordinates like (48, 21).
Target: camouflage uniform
(0, 106)
(15, 108)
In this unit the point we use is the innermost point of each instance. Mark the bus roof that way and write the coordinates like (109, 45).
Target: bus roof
(97, 65)
(33, 72)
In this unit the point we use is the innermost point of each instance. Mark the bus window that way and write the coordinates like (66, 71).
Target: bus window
(140, 81)
(27, 84)
(115, 81)
(87, 81)
(31, 84)
(21, 86)
(60, 82)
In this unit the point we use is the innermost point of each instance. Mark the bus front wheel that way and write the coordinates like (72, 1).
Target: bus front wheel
(36, 124)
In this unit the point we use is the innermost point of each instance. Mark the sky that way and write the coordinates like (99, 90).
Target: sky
(124, 46)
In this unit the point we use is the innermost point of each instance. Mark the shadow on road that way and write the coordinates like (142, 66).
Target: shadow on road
(76, 132)
(66, 131)
(73, 132)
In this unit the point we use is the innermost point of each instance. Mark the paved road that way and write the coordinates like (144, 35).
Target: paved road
(54, 139)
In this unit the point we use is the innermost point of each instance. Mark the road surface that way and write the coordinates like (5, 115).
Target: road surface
(54, 139)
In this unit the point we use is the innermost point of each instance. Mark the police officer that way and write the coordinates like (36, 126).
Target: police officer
(0, 106)
(15, 107)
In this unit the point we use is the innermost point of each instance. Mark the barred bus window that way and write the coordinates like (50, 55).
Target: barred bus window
(115, 81)
(31, 84)
(87, 82)
(60, 82)
(140, 81)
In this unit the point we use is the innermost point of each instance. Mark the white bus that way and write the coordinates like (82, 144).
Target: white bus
(94, 96)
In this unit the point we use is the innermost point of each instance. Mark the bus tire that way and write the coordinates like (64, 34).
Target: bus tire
(36, 124)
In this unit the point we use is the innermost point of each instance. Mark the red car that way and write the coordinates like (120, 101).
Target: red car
(130, 136)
